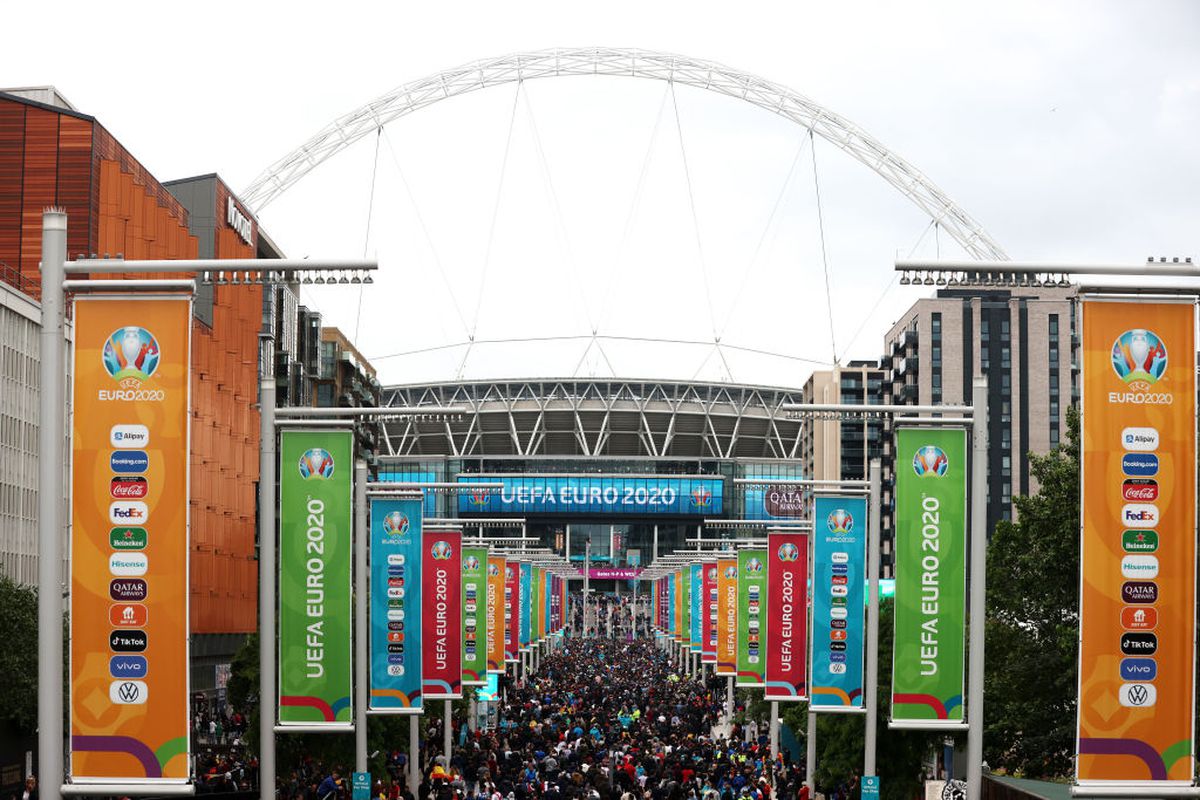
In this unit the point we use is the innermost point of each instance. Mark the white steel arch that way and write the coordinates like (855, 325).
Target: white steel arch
(709, 75)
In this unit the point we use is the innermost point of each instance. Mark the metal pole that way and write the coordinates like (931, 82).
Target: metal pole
(360, 615)
(774, 730)
(447, 724)
(810, 760)
(979, 435)
(51, 474)
(729, 698)
(872, 686)
(266, 567)
(414, 754)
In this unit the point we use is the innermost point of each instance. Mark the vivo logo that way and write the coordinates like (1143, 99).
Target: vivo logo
(1139, 669)
(1139, 515)
(128, 666)
(1140, 440)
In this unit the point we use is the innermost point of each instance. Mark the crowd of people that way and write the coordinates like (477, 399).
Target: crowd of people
(609, 715)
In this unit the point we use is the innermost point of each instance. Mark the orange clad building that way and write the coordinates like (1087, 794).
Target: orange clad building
(51, 155)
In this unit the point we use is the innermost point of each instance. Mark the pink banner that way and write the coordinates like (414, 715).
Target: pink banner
(787, 614)
(441, 634)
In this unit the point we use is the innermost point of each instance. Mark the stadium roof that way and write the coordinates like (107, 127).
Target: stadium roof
(606, 418)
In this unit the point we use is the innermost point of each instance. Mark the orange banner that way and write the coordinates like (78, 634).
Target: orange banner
(494, 619)
(727, 616)
(129, 543)
(1138, 603)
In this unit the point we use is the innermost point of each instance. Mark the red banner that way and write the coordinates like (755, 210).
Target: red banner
(441, 625)
(708, 649)
(512, 608)
(787, 615)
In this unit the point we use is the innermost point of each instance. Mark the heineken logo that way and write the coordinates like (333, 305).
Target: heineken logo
(1139, 541)
(127, 538)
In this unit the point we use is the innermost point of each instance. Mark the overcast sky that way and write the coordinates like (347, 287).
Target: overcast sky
(637, 210)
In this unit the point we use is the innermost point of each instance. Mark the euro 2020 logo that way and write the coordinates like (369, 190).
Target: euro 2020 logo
(1139, 358)
(730, 573)
(493, 570)
(788, 552)
(441, 550)
(754, 566)
(395, 524)
(470, 563)
(701, 497)
(930, 462)
(131, 356)
(840, 521)
(712, 573)
(316, 463)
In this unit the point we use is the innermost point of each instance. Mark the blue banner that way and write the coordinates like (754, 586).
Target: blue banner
(526, 580)
(532, 494)
(696, 601)
(839, 570)
(396, 605)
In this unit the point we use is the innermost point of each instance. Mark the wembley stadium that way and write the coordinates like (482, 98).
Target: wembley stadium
(634, 468)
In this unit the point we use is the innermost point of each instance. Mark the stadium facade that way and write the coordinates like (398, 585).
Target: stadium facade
(633, 467)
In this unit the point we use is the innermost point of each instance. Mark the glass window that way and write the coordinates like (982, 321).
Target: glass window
(1004, 328)
(937, 323)
(936, 354)
(1054, 324)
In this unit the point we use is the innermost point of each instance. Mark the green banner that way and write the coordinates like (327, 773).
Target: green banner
(315, 536)
(931, 546)
(752, 620)
(474, 599)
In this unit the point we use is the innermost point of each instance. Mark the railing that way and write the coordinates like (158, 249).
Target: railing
(22, 283)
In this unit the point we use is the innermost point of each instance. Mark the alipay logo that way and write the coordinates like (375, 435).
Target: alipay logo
(131, 355)
(1144, 440)
(129, 436)
(930, 462)
(316, 463)
(1139, 356)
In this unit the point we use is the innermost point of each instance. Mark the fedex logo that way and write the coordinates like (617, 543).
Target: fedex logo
(124, 511)
(1139, 515)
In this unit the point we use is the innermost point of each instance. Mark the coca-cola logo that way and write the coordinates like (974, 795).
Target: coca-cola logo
(1139, 490)
(784, 501)
(128, 488)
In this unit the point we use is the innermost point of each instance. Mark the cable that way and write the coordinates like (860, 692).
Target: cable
(367, 235)
(824, 255)
(687, 173)
(437, 259)
(763, 237)
(487, 255)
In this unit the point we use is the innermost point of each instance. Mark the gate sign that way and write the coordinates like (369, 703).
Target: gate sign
(496, 609)
(752, 617)
(396, 623)
(839, 556)
(441, 600)
(727, 625)
(709, 593)
(474, 617)
(315, 538)
(787, 611)
(129, 544)
(542, 494)
(1138, 606)
(931, 576)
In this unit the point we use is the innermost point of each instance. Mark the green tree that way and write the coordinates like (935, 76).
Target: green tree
(1033, 621)
(18, 623)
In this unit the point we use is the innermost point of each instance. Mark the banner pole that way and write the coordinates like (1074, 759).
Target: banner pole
(979, 441)
(447, 737)
(810, 761)
(51, 471)
(414, 754)
(872, 684)
(268, 498)
(774, 730)
(729, 698)
(360, 615)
